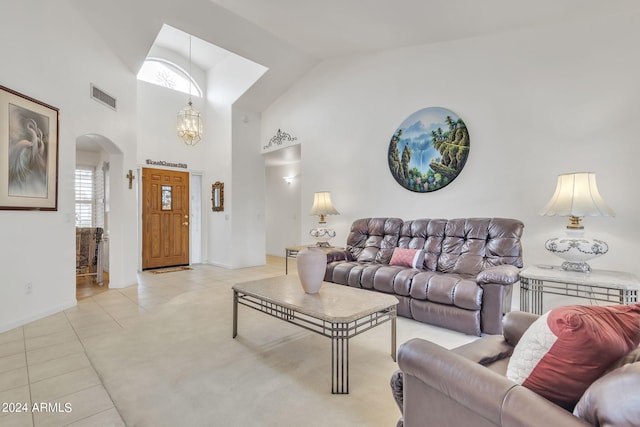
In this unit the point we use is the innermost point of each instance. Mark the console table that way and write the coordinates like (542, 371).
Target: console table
(615, 287)
(292, 252)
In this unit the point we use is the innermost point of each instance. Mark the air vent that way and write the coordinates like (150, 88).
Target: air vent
(103, 97)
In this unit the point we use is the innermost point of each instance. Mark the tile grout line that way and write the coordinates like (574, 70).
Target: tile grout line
(26, 362)
(85, 350)
(93, 415)
(93, 367)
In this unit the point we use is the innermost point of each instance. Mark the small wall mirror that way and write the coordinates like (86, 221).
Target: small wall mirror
(217, 196)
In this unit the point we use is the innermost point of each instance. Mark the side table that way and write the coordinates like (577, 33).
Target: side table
(615, 287)
(292, 252)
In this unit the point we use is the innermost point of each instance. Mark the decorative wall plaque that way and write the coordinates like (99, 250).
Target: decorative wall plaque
(428, 150)
(279, 138)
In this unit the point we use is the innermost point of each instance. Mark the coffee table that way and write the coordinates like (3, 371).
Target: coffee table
(337, 312)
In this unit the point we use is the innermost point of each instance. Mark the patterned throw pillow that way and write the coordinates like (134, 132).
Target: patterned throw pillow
(407, 257)
(568, 348)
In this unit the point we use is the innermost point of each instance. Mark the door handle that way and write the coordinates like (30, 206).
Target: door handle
(185, 223)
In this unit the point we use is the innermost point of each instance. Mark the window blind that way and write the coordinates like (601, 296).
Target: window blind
(85, 197)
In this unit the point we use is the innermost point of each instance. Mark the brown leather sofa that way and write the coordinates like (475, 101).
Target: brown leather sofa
(467, 386)
(465, 281)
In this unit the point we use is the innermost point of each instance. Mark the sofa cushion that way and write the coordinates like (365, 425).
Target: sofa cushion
(567, 348)
(471, 245)
(373, 239)
(426, 234)
(612, 400)
(448, 289)
(407, 257)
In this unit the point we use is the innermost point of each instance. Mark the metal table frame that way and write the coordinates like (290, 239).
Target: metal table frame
(599, 285)
(291, 252)
(338, 332)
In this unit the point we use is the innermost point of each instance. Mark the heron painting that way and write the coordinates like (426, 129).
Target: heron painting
(28, 152)
(28, 136)
(428, 150)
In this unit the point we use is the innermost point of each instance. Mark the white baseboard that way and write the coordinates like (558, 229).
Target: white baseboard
(28, 319)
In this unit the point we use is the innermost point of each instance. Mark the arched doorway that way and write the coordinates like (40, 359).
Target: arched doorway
(96, 158)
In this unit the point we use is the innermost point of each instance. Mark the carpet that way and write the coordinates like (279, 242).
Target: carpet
(169, 270)
(179, 365)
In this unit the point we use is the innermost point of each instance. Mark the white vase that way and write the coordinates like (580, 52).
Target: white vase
(312, 263)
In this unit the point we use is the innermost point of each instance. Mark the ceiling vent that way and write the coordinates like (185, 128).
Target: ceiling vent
(103, 97)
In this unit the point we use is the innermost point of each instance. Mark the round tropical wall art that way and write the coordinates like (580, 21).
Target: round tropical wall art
(428, 150)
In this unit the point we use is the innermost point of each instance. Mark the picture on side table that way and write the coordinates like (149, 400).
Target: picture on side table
(428, 150)
(28, 153)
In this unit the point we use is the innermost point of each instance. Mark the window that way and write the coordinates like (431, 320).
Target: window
(167, 74)
(85, 200)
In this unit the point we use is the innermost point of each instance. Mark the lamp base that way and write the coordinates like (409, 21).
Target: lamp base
(580, 267)
(322, 236)
(576, 250)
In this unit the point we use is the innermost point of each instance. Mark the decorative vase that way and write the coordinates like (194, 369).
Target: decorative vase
(312, 263)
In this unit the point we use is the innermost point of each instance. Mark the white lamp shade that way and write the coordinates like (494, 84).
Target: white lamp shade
(577, 195)
(322, 204)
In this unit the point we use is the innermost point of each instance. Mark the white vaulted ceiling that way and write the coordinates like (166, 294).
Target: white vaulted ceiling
(291, 36)
(340, 27)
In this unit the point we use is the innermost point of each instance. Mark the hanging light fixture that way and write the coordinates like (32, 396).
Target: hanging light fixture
(189, 120)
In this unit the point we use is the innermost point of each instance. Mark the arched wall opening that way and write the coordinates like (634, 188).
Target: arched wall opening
(102, 153)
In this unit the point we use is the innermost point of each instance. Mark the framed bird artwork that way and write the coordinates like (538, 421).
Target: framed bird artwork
(28, 153)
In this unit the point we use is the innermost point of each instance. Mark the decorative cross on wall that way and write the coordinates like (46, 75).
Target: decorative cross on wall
(131, 177)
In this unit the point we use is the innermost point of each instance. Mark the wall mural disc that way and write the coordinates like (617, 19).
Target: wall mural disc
(428, 150)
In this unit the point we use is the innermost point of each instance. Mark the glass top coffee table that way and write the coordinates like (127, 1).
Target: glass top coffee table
(337, 312)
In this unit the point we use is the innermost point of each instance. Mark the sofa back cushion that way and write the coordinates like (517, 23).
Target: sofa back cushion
(464, 246)
(426, 234)
(373, 239)
(471, 245)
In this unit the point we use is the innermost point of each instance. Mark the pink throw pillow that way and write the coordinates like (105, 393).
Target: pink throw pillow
(568, 348)
(407, 257)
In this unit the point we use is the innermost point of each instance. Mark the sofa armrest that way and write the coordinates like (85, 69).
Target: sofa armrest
(486, 350)
(505, 274)
(461, 391)
(461, 380)
(515, 323)
(339, 255)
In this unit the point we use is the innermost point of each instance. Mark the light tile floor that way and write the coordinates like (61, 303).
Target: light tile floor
(44, 367)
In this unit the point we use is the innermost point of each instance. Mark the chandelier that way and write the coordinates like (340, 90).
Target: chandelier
(189, 120)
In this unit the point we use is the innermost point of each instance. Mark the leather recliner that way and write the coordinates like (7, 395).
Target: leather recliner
(467, 386)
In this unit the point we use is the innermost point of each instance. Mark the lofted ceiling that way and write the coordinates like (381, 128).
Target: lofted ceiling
(291, 36)
(329, 28)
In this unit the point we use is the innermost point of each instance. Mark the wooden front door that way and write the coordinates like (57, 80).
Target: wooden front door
(165, 218)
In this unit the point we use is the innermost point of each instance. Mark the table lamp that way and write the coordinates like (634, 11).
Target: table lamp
(576, 196)
(322, 206)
